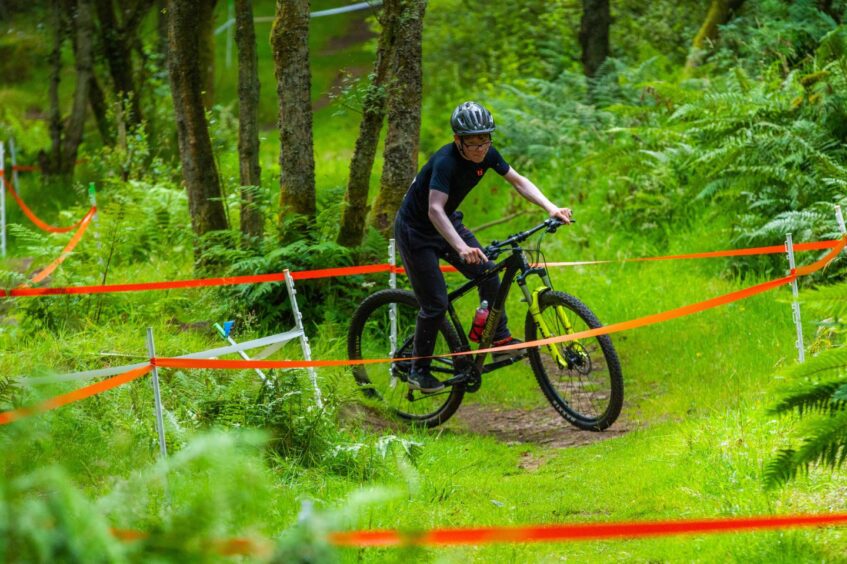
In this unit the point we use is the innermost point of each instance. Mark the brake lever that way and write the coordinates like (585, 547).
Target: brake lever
(554, 224)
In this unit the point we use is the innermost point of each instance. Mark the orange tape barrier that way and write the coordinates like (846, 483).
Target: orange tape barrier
(586, 531)
(204, 282)
(28, 212)
(66, 252)
(366, 269)
(165, 362)
(614, 328)
(224, 547)
(76, 395)
(531, 533)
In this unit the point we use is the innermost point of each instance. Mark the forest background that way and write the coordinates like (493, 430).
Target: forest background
(668, 127)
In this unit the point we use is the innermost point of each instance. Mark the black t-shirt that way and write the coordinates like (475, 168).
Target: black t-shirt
(449, 172)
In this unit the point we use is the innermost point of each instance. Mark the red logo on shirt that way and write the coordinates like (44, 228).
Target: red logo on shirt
(479, 172)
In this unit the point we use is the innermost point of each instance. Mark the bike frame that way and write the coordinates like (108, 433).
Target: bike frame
(515, 269)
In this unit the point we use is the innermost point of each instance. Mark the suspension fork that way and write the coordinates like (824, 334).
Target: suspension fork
(533, 299)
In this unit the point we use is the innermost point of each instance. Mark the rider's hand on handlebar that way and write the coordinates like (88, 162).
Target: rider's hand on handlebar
(472, 255)
(562, 214)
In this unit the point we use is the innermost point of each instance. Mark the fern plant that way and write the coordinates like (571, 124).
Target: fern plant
(819, 397)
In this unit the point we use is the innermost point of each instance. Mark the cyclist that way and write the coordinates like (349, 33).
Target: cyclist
(428, 227)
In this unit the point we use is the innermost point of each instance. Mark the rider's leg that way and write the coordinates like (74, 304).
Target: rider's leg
(488, 289)
(420, 259)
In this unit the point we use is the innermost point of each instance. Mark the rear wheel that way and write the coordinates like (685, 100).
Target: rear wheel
(586, 386)
(369, 338)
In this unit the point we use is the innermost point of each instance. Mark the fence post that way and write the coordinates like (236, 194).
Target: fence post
(160, 425)
(14, 156)
(304, 340)
(392, 283)
(2, 201)
(795, 305)
(839, 218)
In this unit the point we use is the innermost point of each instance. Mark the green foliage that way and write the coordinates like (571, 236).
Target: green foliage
(522, 39)
(45, 518)
(769, 31)
(819, 396)
(267, 305)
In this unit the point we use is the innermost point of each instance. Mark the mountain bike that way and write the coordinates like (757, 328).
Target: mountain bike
(581, 378)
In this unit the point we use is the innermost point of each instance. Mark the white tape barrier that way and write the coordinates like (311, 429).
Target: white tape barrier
(331, 12)
(111, 371)
(273, 344)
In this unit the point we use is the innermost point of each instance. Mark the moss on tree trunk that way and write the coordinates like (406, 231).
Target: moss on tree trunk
(290, 42)
(404, 116)
(373, 114)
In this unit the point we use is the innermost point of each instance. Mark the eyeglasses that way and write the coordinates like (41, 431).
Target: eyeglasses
(475, 146)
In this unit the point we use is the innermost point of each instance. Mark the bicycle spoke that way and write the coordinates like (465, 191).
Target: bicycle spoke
(388, 383)
(587, 390)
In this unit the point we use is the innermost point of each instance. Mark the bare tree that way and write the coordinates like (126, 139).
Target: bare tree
(373, 114)
(248, 117)
(66, 137)
(403, 107)
(290, 42)
(195, 147)
(594, 35)
(720, 12)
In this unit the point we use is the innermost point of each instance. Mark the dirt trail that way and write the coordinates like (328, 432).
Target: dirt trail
(541, 426)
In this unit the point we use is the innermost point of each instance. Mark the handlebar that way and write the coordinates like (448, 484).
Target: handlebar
(493, 250)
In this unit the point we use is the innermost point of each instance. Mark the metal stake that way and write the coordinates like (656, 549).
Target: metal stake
(242, 354)
(392, 283)
(392, 308)
(795, 305)
(13, 153)
(304, 341)
(160, 425)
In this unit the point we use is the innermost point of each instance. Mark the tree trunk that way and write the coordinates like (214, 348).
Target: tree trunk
(118, 55)
(53, 160)
(248, 129)
(373, 113)
(720, 12)
(290, 42)
(404, 116)
(67, 137)
(195, 146)
(76, 121)
(594, 35)
(97, 100)
(205, 16)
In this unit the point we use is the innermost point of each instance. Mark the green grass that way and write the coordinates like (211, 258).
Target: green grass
(697, 393)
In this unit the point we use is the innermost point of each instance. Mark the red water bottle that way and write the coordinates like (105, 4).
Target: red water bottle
(478, 324)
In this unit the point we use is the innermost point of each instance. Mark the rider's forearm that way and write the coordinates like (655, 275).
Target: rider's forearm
(532, 193)
(442, 224)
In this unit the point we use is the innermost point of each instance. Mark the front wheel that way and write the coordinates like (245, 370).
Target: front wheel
(369, 337)
(581, 378)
